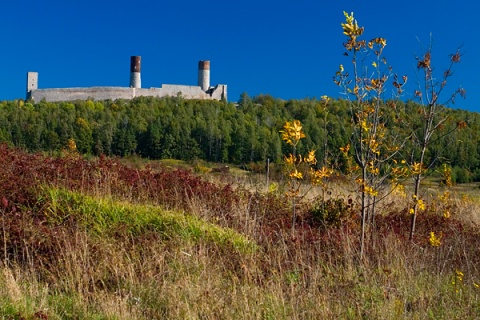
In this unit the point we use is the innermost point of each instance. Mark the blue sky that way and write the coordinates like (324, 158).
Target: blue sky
(288, 49)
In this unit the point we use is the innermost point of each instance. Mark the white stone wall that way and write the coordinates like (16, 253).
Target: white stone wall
(70, 94)
(112, 93)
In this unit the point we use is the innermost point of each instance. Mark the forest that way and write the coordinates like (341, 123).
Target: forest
(225, 132)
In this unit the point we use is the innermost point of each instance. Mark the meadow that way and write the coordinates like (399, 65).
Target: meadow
(107, 238)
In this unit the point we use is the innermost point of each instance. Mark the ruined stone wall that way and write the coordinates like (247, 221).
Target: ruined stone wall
(71, 94)
(219, 92)
(202, 91)
(112, 93)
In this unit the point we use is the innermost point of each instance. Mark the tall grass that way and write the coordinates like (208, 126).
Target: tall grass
(99, 240)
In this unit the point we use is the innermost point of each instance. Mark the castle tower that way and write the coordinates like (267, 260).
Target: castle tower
(204, 74)
(135, 80)
(32, 83)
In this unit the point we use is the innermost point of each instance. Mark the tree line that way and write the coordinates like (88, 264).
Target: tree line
(218, 131)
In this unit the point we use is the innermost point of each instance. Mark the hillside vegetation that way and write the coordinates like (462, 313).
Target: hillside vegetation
(216, 131)
(95, 239)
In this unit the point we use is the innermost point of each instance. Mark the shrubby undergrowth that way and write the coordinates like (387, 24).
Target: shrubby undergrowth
(94, 239)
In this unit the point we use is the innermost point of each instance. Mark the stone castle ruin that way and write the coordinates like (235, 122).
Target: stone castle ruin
(203, 91)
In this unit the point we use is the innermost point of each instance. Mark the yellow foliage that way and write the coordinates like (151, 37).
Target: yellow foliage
(82, 123)
(459, 275)
(447, 175)
(447, 214)
(372, 168)
(350, 27)
(445, 196)
(434, 240)
(72, 146)
(421, 205)
(364, 187)
(399, 172)
(296, 174)
(319, 175)
(457, 281)
(290, 160)
(365, 126)
(311, 159)
(292, 132)
(417, 168)
(370, 190)
(399, 189)
(382, 42)
(374, 146)
(345, 149)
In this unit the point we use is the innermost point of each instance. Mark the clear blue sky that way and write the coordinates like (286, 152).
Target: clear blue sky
(288, 49)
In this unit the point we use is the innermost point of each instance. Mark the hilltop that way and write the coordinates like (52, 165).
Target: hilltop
(216, 131)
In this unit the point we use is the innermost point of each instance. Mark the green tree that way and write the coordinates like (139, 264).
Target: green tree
(124, 139)
(84, 138)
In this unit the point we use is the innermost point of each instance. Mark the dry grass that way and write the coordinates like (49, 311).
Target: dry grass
(127, 267)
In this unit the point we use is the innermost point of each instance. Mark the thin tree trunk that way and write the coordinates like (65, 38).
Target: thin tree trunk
(364, 216)
(418, 180)
(415, 206)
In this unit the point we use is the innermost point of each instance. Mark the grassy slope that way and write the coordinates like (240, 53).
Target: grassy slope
(104, 230)
(78, 256)
(104, 217)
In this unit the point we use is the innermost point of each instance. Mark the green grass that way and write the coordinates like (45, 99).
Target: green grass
(104, 216)
(105, 266)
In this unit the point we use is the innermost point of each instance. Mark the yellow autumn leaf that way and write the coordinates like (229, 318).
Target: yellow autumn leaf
(296, 174)
(435, 241)
(292, 132)
(311, 159)
(345, 149)
(290, 160)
